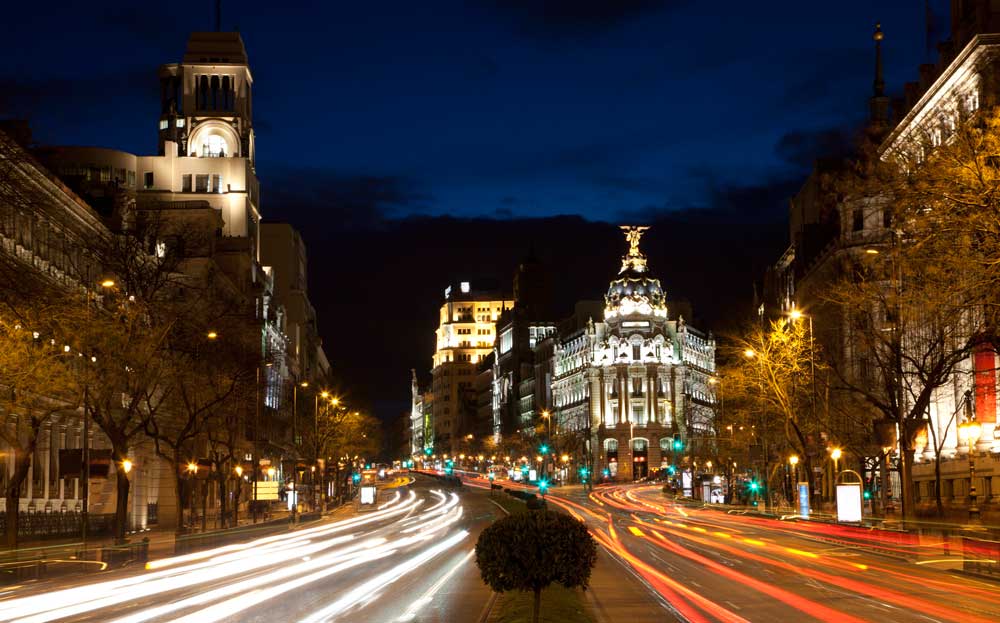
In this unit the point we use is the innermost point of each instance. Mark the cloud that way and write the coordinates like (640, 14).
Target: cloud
(726, 202)
(801, 148)
(23, 95)
(340, 201)
(559, 19)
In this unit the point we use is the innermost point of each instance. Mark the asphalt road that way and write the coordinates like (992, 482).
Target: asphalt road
(410, 560)
(714, 566)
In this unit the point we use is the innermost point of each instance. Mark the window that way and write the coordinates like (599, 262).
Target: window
(639, 415)
(163, 124)
(186, 183)
(147, 178)
(215, 147)
(161, 249)
(180, 123)
(216, 184)
(201, 183)
(636, 355)
(858, 220)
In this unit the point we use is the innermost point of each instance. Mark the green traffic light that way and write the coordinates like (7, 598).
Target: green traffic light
(544, 449)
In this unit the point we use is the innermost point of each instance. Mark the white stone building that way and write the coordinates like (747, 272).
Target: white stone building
(628, 383)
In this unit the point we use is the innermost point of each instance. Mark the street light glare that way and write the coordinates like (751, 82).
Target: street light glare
(108, 283)
(212, 335)
(795, 314)
(749, 353)
(835, 454)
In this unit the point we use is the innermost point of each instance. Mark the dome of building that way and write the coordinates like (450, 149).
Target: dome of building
(635, 291)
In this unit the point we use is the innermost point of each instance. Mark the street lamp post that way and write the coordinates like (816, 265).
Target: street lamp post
(971, 431)
(192, 469)
(295, 446)
(835, 454)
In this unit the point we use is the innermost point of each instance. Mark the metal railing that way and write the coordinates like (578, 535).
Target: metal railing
(59, 524)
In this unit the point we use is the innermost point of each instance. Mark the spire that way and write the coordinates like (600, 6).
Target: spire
(879, 84)
(878, 104)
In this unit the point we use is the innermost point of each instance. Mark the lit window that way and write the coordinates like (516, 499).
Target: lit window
(180, 123)
(215, 147)
(163, 124)
(161, 249)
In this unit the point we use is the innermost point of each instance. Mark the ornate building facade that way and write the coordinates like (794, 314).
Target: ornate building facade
(625, 385)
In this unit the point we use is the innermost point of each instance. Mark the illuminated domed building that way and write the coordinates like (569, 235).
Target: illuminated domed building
(629, 384)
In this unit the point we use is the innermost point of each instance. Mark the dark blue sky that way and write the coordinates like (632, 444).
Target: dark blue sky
(488, 107)
(420, 143)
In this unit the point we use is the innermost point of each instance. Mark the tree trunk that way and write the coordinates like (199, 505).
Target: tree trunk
(121, 499)
(537, 606)
(906, 478)
(939, 503)
(179, 490)
(237, 490)
(21, 465)
(222, 499)
(883, 489)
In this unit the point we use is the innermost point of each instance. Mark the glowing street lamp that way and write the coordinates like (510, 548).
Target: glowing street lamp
(126, 465)
(971, 430)
(239, 471)
(108, 283)
(212, 335)
(192, 467)
(749, 353)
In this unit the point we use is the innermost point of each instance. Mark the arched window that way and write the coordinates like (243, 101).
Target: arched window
(640, 444)
(611, 445)
(214, 146)
(665, 444)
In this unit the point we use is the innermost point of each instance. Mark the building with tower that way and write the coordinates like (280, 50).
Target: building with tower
(464, 338)
(628, 382)
(199, 198)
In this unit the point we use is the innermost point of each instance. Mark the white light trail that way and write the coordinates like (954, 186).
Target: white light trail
(365, 590)
(428, 595)
(235, 573)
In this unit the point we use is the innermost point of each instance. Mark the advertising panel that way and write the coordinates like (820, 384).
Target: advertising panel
(849, 502)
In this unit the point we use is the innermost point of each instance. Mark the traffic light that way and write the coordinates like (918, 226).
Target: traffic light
(867, 494)
(671, 470)
(584, 472)
(356, 477)
(428, 451)
(544, 449)
(543, 486)
(678, 443)
(606, 472)
(491, 476)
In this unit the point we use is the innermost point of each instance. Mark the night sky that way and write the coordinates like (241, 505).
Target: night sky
(417, 143)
